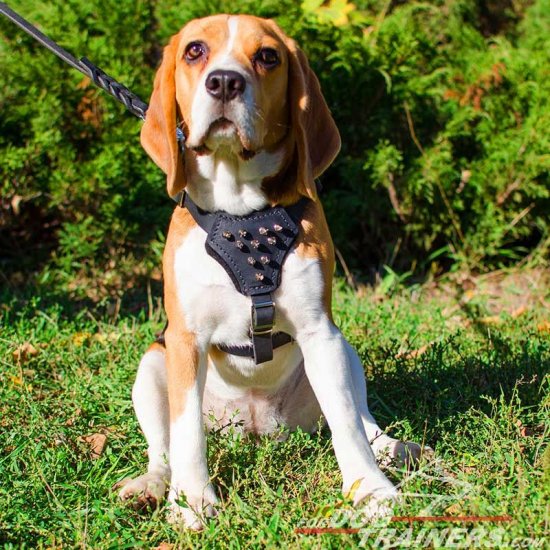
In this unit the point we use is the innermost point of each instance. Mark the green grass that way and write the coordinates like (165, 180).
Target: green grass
(462, 367)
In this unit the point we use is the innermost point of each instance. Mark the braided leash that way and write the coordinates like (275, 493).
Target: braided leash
(100, 78)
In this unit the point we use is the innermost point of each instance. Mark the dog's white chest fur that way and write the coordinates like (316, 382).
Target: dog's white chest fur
(214, 310)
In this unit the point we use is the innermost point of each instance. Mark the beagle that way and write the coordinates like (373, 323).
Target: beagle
(257, 133)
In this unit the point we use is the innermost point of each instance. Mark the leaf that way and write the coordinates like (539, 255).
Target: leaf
(413, 353)
(96, 443)
(16, 380)
(454, 509)
(80, 338)
(24, 352)
(311, 5)
(387, 78)
(336, 12)
(353, 489)
(519, 311)
(104, 338)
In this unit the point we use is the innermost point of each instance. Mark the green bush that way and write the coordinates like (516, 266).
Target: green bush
(442, 106)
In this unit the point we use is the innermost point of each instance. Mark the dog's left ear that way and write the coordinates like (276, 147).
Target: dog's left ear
(317, 137)
(158, 133)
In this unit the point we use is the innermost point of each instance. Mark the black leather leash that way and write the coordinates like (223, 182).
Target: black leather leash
(100, 78)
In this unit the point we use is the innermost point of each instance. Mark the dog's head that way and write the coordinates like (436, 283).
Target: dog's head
(238, 83)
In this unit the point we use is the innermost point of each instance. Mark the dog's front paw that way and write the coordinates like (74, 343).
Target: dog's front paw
(392, 452)
(409, 453)
(192, 512)
(374, 498)
(143, 492)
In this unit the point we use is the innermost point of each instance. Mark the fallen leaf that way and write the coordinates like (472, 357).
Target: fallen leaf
(530, 431)
(24, 352)
(454, 509)
(96, 443)
(544, 326)
(164, 546)
(413, 353)
(468, 295)
(72, 420)
(80, 338)
(350, 494)
(16, 381)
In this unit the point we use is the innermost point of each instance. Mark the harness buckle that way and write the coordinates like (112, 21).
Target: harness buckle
(263, 316)
(262, 322)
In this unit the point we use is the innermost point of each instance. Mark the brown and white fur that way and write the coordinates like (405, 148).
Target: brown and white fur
(259, 144)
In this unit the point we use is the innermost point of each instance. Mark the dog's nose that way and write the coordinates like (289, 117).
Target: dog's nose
(225, 85)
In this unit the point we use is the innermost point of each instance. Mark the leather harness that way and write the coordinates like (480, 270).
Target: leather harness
(252, 250)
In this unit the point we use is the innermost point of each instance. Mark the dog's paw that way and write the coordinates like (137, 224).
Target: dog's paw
(373, 500)
(409, 454)
(392, 452)
(192, 512)
(143, 492)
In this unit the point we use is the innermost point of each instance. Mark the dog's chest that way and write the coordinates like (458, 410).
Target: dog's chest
(212, 307)
(218, 313)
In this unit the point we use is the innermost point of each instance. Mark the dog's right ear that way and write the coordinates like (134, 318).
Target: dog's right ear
(158, 134)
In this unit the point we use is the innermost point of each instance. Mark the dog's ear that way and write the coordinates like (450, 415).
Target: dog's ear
(158, 134)
(317, 137)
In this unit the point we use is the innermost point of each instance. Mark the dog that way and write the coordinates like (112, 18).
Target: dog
(258, 132)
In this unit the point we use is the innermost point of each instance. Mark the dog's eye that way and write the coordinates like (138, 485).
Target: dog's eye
(267, 57)
(194, 51)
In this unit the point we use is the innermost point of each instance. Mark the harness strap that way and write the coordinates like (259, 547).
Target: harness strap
(278, 340)
(206, 219)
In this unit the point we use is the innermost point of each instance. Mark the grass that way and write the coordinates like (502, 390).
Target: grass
(462, 366)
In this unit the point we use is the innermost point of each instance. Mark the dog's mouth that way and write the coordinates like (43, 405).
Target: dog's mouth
(223, 132)
(222, 124)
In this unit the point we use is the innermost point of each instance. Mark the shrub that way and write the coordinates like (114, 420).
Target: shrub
(442, 106)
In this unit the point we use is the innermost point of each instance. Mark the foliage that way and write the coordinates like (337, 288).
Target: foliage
(472, 384)
(442, 106)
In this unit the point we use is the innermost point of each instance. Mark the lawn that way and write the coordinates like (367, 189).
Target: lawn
(462, 365)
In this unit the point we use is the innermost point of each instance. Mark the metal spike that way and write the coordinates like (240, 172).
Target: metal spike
(277, 227)
(272, 240)
(243, 232)
(251, 260)
(264, 259)
(239, 244)
(227, 235)
(259, 276)
(255, 243)
(263, 230)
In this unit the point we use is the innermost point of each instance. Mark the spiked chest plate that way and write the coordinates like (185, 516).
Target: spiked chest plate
(252, 248)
